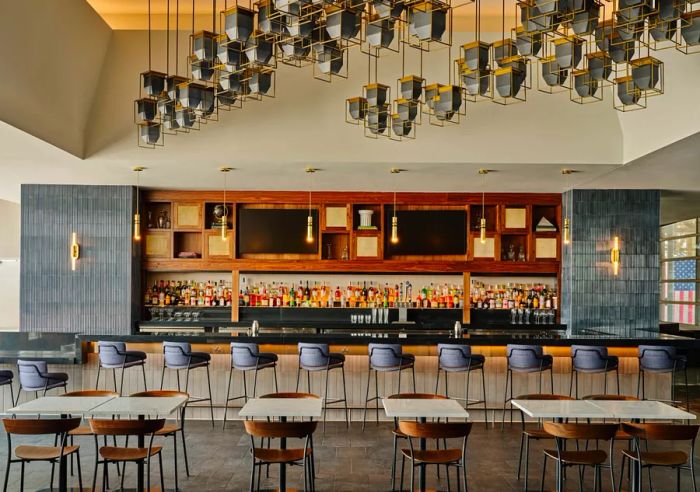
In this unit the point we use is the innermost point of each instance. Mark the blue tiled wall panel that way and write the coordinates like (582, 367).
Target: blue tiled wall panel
(592, 297)
(101, 296)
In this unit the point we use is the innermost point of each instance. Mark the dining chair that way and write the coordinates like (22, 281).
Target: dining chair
(6, 378)
(28, 453)
(396, 432)
(536, 434)
(85, 430)
(172, 429)
(34, 376)
(105, 455)
(317, 357)
(386, 357)
(281, 456)
(525, 359)
(179, 356)
(114, 355)
(455, 358)
(246, 357)
(593, 458)
(450, 457)
(654, 359)
(593, 359)
(675, 459)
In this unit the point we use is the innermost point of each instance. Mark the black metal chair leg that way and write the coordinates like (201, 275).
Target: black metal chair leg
(505, 399)
(184, 452)
(345, 399)
(483, 395)
(97, 381)
(228, 393)
(364, 413)
(211, 401)
(143, 373)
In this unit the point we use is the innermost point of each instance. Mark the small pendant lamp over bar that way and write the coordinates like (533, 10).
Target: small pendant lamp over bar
(224, 206)
(394, 219)
(310, 218)
(482, 222)
(137, 216)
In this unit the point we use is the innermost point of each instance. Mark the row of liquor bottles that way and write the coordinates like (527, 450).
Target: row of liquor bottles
(366, 295)
(510, 296)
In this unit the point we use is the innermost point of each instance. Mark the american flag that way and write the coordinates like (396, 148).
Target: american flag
(681, 291)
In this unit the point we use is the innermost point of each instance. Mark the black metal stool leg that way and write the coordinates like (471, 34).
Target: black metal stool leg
(211, 400)
(364, 413)
(345, 398)
(228, 392)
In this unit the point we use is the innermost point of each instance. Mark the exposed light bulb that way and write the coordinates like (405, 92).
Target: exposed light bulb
(567, 231)
(482, 228)
(310, 229)
(394, 230)
(224, 226)
(615, 255)
(137, 227)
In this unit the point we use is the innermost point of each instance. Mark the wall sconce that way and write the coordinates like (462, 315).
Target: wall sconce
(74, 251)
(615, 255)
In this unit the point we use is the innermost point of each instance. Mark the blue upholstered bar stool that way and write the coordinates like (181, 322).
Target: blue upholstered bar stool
(34, 376)
(525, 359)
(247, 357)
(662, 360)
(317, 357)
(453, 358)
(386, 357)
(591, 359)
(114, 355)
(179, 356)
(6, 378)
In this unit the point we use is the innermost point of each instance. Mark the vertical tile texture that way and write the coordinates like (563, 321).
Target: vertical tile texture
(592, 297)
(101, 296)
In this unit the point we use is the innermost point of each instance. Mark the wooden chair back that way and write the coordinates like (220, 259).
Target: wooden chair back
(31, 427)
(603, 432)
(120, 427)
(297, 430)
(662, 432)
(417, 396)
(544, 396)
(160, 394)
(290, 395)
(611, 397)
(435, 430)
(95, 393)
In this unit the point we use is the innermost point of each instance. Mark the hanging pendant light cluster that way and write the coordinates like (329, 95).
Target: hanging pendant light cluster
(576, 47)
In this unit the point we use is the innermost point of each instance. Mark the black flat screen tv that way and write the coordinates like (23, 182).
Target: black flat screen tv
(275, 231)
(427, 232)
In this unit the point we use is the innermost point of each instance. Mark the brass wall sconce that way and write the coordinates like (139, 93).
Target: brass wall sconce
(615, 255)
(74, 251)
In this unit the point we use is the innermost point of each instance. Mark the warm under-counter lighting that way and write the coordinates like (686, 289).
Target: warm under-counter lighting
(74, 251)
(615, 255)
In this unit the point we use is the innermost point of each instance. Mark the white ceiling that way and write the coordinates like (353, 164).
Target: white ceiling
(66, 117)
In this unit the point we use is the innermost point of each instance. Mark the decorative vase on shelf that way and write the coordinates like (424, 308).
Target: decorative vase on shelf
(366, 219)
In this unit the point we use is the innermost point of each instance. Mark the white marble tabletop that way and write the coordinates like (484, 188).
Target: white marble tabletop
(560, 409)
(646, 409)
(48, 405)
(133, 406)
(282, 407)
(421, 408)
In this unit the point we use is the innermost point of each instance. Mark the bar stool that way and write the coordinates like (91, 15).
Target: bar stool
(386, 357)
(6, 378)
(662, 360)
(179, 356)
(25, 453)
(125, 454)
(316, 357)
(247, 357)
(453, 358)
(536, 434)
(591, 359)
(34, 376)
(171, 429)
(114, 355)
(525, 359)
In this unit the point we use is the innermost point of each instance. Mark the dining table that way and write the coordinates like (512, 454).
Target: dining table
(630, 410)
(98, 406)
(282, 409)
(423, 409)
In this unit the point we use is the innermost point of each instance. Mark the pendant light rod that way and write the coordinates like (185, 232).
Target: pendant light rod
(149, 35)
(224, 219)
(482, 223)
(394, 219)
(310, 219)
